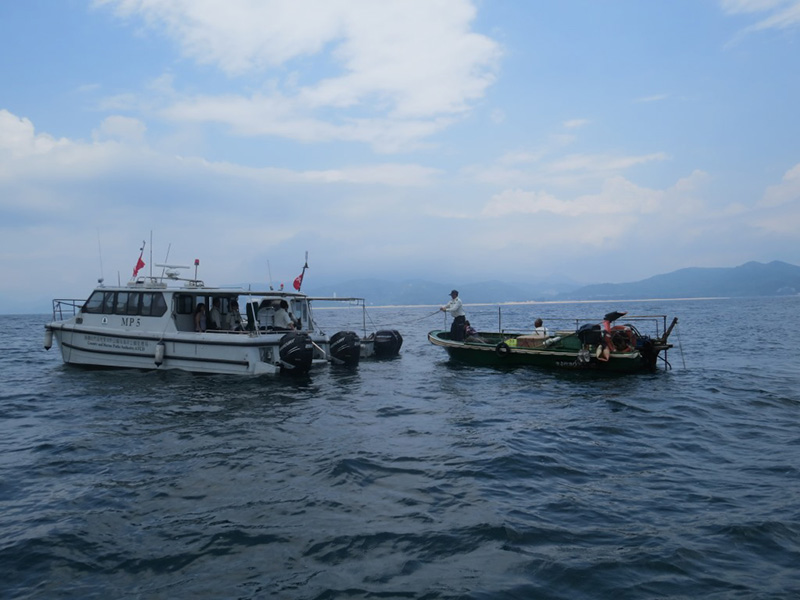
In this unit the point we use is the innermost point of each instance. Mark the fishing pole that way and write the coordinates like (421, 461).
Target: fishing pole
(425, 317)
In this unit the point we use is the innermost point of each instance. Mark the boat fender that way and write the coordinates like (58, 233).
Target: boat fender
(48, 339)
(160, 349)
(502, 349)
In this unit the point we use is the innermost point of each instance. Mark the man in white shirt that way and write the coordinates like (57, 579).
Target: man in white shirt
(214, 317)
(539, 328)
(455, 308)
(282, 320)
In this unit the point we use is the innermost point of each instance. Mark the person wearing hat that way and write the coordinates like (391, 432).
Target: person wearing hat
(455, 308)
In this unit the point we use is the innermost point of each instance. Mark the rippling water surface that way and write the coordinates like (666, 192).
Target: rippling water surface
(413, 477)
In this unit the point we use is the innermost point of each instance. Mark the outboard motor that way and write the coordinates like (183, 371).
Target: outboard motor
(346, 347)
(387, 343)
(296, 352)
(590, 334)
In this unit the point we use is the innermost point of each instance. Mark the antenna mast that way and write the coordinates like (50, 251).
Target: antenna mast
(100, 254)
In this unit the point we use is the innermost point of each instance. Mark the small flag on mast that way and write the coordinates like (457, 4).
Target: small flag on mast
(298, 281)
(140, 262)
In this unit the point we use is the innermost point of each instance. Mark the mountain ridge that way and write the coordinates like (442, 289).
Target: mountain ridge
(776, 278)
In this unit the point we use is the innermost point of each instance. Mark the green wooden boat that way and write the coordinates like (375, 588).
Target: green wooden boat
(591, 346)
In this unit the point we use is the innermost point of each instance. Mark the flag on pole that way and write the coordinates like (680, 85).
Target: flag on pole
(298, 281)
(139, 263)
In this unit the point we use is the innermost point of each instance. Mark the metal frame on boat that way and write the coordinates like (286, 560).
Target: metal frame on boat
(585, 346)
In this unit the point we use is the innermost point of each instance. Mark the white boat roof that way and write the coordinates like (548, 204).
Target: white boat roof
(198, 287)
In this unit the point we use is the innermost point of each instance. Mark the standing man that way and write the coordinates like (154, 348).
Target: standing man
(459, 316)
(214, 317)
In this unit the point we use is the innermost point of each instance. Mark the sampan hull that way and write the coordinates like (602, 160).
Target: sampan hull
(494, 353)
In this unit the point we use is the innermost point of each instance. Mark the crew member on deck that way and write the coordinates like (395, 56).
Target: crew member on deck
(455, 308)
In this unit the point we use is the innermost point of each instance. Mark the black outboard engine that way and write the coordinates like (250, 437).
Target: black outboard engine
(346, 348)
(590, 334)
(387, 343)
(296, 353)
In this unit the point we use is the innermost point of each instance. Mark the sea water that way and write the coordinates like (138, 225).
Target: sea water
(412, 477)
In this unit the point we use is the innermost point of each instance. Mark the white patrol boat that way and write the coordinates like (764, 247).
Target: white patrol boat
(152, 323)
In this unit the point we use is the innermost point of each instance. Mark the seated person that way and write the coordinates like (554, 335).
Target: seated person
(539, 328)
(471, 335)
(282, 320)
(235, 317)
(469, 329)
(264, 314)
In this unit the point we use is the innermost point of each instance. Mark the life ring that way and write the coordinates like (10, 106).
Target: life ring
(622, 339)
(502, 349)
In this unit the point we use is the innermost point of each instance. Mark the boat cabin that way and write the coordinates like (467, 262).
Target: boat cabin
(154, 299)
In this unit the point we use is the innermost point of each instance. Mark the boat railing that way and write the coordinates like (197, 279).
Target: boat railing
(66, 308)
(349, 302)
(654, 325)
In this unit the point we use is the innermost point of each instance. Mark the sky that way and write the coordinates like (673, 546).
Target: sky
(458, 141)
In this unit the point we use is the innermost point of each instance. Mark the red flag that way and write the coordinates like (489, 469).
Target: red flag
(139, 264)
(298, 281)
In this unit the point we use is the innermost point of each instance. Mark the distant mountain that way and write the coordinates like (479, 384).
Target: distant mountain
(414, 292)
(750, 279)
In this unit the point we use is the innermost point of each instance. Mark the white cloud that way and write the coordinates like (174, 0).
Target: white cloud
(385, 174)
(569, 171)
(653, 98)
(392, 72)
(786, 192)
(121, 128)
(594, 163)
(778, 212)
(618, 196)
(751, 6)
(19, 139)
(782, 14)
(241, 35)
(576, 123)
(280, 116)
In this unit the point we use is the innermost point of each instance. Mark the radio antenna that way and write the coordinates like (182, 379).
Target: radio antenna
(166, 260)
(100, 255)
(151, 254)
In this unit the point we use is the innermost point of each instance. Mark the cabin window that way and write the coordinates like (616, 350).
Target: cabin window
(147, 304)
(94, 304)
(185, 304)
(159, 306)
(153, 304)
(108, 303)
(133, 303)
(121, 307)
